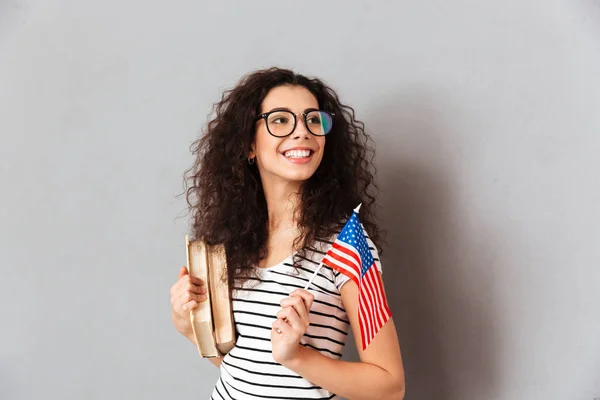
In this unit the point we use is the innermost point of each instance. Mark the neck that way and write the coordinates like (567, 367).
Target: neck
(282, 199)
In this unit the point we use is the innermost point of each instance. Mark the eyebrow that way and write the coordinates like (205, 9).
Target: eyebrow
(287, 109)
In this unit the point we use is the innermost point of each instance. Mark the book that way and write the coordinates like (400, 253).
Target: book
(212, 320)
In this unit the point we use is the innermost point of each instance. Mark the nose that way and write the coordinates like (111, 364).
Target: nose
(301, 131)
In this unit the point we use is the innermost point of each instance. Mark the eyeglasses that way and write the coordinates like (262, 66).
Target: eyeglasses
(282, 123)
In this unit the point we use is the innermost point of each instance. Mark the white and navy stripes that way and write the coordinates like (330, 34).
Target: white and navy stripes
(248, 371)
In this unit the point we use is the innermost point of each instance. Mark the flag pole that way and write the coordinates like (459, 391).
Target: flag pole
(313, 276)
(321, 264)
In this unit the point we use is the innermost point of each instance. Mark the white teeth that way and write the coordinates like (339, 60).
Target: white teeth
(297, 153)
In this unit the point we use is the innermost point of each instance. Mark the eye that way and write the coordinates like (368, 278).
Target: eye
(314, 119)
(279, 120)
(280, 117)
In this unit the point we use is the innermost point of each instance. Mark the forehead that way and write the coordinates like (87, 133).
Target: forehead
(296, 98)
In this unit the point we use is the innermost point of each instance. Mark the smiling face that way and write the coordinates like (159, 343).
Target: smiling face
(294, 158)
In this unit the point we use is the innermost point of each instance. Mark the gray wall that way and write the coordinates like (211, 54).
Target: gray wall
(487, 125)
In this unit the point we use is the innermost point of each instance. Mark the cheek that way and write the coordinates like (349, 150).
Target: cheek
(259, 140)
(265, 143)
(321, 142)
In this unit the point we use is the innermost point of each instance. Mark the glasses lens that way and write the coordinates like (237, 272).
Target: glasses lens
(280, 123)
(319, 122)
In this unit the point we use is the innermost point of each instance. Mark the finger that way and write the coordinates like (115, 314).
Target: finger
(283, 313)
(188, 301)
(275, 326)
(187, 296)
(181, 278)
(289, 315)
(180, 284)
(307, 296)
(182, 305)
(281, 327)
(197, 289)
(190, 287)
(182, 272)
(187, 279)
(298, 304)
(294, 320)
(196, 281)
(190, 305)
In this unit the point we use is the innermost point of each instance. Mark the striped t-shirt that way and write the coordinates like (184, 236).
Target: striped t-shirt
(248, 371)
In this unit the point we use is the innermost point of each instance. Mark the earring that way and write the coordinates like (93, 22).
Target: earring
(251, 160)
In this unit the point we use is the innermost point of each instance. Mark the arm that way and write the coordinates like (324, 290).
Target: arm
(379, 374)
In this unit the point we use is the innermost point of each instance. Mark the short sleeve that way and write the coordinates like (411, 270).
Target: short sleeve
(340, 279)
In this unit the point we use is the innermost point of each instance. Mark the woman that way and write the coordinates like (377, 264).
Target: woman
(278, 172)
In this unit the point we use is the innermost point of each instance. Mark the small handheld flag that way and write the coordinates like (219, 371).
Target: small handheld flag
(350, 255)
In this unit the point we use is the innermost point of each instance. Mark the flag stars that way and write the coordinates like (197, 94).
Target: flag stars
(353, 235)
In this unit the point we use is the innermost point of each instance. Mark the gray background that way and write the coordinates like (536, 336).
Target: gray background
(487, 126)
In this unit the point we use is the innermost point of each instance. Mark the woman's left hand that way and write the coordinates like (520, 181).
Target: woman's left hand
(291, 324)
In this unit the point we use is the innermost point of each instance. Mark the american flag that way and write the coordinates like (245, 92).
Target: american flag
(350, 255)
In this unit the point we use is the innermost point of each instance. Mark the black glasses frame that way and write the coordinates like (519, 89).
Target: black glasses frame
(304, 115)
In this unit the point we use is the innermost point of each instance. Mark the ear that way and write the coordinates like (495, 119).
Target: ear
(252, 152)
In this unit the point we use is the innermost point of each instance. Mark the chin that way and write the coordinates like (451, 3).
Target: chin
(298, 177)
(290, 173)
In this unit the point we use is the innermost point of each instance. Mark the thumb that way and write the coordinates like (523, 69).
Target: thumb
(182, 272)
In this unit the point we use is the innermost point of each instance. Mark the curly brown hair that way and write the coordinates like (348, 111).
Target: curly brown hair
(225, 195)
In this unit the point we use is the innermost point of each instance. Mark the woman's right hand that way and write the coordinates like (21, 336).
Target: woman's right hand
(186, 293)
